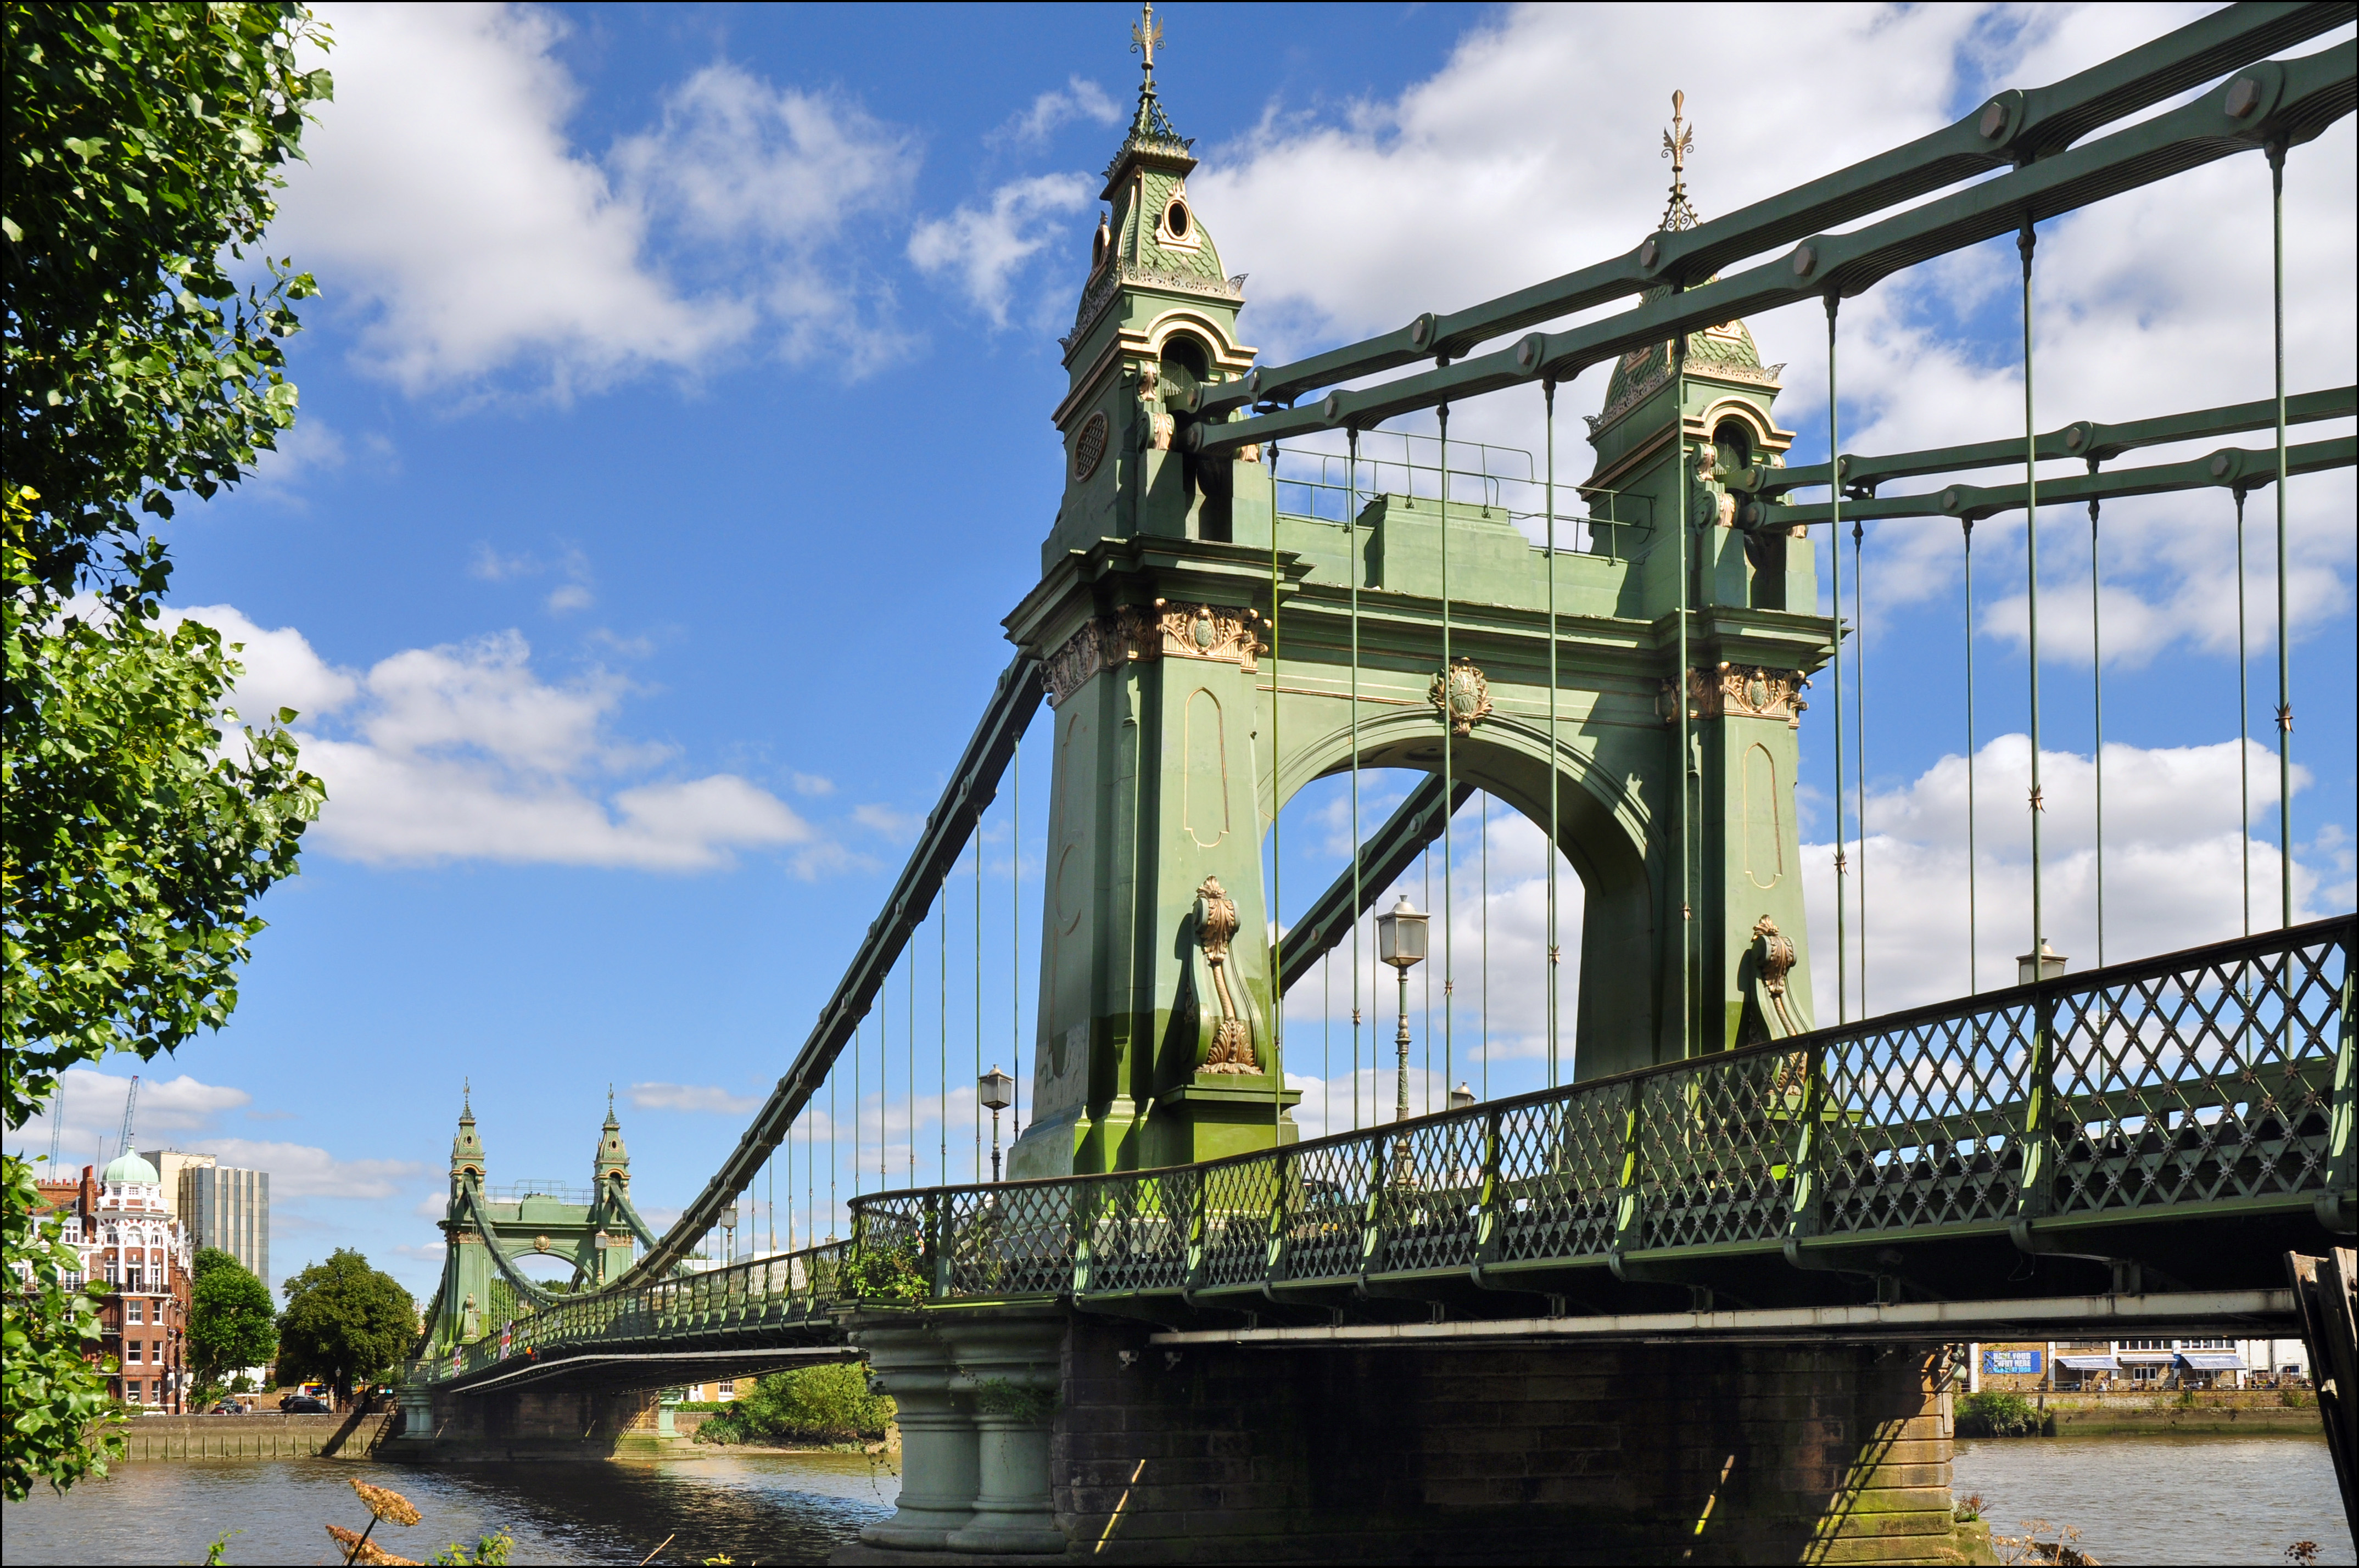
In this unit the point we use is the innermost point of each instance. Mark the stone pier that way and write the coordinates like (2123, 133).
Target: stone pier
(547, 1421)
(1041, 1434)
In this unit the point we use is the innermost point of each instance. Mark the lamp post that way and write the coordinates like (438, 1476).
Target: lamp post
(994, 1089)
(1462, 1097)
(1400, 941)
(2047, 964)
(728, 1234)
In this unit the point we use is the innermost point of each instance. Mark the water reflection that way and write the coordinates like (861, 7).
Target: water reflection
(755, 1508)
(2165, 1499)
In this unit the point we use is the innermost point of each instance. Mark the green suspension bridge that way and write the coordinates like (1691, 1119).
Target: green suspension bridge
(1620, 657)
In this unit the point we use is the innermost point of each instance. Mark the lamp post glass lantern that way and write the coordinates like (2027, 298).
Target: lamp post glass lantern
(728, 1234)
(1462, 1097)
(2047, 964)
(996, 1090)
(1400, 941)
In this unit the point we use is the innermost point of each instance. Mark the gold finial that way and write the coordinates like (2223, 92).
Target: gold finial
(1145, 35)
(1678, 142)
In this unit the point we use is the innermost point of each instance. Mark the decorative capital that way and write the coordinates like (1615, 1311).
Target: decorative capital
(1137, 633)
(1739, 691)
(1461, 695)
(1776, 955)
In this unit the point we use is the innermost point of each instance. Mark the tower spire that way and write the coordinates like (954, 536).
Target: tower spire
(1678, 142)
(1148, 123)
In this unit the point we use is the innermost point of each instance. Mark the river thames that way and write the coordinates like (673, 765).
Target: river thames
(2194, 1500)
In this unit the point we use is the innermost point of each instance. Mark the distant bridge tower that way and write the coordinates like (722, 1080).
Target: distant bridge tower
(485, 1236)
(1177, 735)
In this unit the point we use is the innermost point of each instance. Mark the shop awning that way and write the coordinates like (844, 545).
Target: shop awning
(2088, 1364)
(2212, 1361)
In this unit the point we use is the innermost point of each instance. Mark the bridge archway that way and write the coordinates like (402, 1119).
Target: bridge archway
(1604, 831)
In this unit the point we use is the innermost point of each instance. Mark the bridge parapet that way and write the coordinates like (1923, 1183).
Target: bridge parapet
(2101, 1123)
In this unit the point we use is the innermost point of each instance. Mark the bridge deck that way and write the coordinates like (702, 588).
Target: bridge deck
(2160, 1131)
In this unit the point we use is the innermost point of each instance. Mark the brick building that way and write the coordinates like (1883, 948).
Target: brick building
(120, 1227)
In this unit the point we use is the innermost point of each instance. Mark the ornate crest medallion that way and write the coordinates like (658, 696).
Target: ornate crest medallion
(540, 1243)
(1462, 695)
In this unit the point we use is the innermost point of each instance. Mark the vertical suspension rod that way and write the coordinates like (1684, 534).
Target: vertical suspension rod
(2027, 242)
(2244, 730)
(1686, 559)
(1549, 969)
(1973, 870)
(1359, 907)
(1449, 763)
(1835, 562)
(1859, 720)
(2277, 151)
(2097, 700)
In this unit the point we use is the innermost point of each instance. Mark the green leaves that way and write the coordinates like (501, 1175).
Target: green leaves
(58, 1419)
(344, 1322)
(145, 141)
(231, 1321)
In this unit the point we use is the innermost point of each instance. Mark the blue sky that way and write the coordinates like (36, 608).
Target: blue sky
(675, 435)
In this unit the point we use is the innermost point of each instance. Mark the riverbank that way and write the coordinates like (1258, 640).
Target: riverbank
(2240, 1412)
(258, 1436)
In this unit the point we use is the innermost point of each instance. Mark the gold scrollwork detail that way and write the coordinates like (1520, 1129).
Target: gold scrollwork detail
(1135, 633)
(1216, 924)
(1739, 691)
(1462, 696)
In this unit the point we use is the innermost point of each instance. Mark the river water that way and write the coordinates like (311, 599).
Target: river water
(2149, 1499)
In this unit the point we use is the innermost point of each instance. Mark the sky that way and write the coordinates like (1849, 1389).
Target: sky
(675, 435)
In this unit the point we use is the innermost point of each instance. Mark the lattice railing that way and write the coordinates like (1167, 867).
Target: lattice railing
(2205, 1077)
(2217, 1079)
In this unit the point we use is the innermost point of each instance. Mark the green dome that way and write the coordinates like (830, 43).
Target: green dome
(128, 1167)
(1726, 350)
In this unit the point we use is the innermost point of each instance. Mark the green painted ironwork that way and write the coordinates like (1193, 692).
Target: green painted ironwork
(2212, 1088)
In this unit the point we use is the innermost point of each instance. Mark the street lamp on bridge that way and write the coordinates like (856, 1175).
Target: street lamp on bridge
(2047, 964)
(728, 1234)
(995, 1089)
(1400, 941)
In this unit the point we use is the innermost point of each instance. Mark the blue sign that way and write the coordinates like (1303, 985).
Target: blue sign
(2011, 1362)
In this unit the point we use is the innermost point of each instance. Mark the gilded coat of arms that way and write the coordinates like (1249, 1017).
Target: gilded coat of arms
(1462, 695)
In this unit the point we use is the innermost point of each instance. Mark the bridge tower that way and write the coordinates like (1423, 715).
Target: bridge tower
(1177, 736)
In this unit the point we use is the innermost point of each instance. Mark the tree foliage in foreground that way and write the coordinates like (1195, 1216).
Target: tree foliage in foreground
(808, 1404)
(144, 146)
(345, 1323)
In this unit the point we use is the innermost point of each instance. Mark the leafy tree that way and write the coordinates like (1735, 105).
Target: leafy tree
(810, 1404)
(231, 1322)
(144, 144)
(345, 1323)
(62, 1423)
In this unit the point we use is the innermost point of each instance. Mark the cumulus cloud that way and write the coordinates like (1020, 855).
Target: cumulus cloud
(980, 249)
(300, 1170)
(464, 752)
(692, 1096)
(443, 200)
(1079, 99)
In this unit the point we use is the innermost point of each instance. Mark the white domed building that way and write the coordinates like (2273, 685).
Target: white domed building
(131, 1240)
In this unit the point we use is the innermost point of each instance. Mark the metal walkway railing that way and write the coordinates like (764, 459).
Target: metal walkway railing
(2212, 1086)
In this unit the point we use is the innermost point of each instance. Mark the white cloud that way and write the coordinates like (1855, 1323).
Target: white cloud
(692, 1096)
(1079, 99)
(885, 820)
(464, 751)
(433, 1205)
(444, 199)
(300, 1170)
(981, 248)
(812, 783)
(89, 1105)
(2173, 860)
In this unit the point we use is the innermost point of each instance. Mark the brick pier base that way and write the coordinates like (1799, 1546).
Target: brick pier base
(1670, 1453)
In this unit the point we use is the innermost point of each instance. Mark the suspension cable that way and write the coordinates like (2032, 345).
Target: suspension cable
(2025, 242)
(1859, 721)
(1973, 905)
(1685, 813)
(1834, 560)
(884, 1070)
(909, 1024)
(1449, 816)
(1355, 569)
(1016, 935)
(1276, 847)
(1425, 857)
(2284, 656)
(858, 1041)
(831, 1150)
(2097, 700)
(977, 846)
(1549, 969)
(942, 1018)
(2243, 729)
(1486, 945)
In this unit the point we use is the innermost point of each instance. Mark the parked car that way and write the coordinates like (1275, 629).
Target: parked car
(304, 1404)
(229, 1407)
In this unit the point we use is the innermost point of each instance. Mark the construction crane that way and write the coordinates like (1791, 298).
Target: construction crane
(57, 1126)
(130, 1099)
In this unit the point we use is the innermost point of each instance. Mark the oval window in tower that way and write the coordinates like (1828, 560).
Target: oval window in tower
(1176, 219)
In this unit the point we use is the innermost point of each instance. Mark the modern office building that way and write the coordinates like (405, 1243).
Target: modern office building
(223, 1206)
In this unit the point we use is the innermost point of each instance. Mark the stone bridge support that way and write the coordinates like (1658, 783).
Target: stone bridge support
(554, 1419)
(1044, 1434)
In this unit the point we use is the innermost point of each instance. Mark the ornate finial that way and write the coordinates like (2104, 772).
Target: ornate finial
(1678, 142)
(466, 1099)
(1146, 33)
